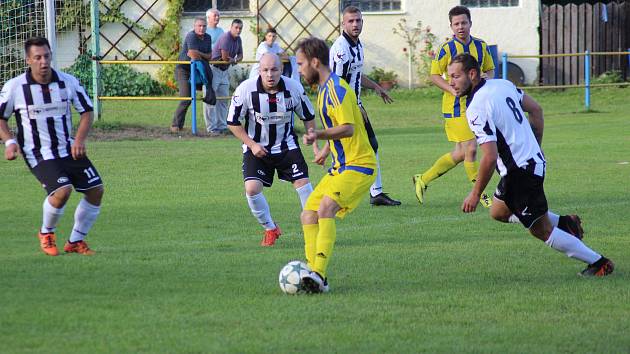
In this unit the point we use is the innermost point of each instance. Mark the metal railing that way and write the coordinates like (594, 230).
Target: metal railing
(587, 71)
(193, 84)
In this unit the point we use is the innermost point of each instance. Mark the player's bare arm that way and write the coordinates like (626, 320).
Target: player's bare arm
(11, 148)
(239, 132)
(439, 81)
(338, 132)
(322, 154)
(486, 168)
(535, 117)
(367, 82)
(78, 146)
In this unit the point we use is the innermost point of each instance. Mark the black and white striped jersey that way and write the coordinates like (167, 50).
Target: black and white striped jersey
(346, 60)
(494, 113)
(42, 113)
(269, 117)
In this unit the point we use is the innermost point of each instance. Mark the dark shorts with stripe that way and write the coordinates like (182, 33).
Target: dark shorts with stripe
(370, 131)
(290, 165)
(524, 195)
(57, 173)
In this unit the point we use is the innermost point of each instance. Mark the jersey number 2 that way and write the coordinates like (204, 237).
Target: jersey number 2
(515, 110)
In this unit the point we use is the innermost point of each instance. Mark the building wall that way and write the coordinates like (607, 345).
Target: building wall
(513, 29)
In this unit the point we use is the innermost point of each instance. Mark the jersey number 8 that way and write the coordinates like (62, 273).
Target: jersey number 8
(515, 110)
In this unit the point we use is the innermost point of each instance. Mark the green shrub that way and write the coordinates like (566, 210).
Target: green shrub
(379, 75)
(117, 79)
(609, 77)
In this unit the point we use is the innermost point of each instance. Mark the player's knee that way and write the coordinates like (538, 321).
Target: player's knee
(252, 189)
(470, 150)
(59, 197)
(499, 215)
(94, 196)
(308, 217)
(327, 208)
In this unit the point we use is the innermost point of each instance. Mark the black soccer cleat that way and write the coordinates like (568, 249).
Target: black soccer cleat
(601, 268)
(573, 225)
(383, 200)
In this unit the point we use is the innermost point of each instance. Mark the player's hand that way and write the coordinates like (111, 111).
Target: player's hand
(470, 203)
(259, 150)
(78, 150)
(381, 92)
(310, 137)
(11, 152)
(321, 156)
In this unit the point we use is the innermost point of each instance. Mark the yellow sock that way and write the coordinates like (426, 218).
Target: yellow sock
(310, 242)
(440, 167)
(325, 242)
(471, 170)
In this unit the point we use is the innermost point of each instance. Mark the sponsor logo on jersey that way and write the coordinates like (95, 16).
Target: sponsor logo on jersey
(63, 179)
(474, 121)
(235, 99)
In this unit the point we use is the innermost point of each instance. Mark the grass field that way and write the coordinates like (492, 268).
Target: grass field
(179, 267)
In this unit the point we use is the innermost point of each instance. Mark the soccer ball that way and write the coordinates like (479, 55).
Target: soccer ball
(290, 277)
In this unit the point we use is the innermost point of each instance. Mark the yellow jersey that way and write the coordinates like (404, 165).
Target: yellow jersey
(338, 105)
(454, 107)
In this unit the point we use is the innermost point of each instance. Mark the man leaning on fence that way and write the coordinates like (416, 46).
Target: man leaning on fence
(229, 49)
(197, 46)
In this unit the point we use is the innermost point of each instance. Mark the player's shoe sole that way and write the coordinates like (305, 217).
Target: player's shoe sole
(420, 187)
(574, 226)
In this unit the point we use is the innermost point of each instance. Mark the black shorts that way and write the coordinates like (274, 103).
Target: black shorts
(57, 173)
(524, 195)
(370, 131)
(290, 165)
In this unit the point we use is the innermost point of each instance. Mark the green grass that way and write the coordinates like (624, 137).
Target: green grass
(179, 268)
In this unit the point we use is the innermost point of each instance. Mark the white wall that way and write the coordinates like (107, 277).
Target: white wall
(513, 29)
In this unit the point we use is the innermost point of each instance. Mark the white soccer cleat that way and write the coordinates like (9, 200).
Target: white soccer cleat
(314, 283)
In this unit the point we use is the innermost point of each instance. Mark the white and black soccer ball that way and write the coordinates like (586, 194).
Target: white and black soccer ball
(290, 277)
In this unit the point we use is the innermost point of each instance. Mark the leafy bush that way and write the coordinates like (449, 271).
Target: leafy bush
(379, 75)
(117, 80)
(609, 77)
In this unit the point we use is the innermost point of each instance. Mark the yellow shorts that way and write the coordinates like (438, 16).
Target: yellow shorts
(347, 189)
(457, 129)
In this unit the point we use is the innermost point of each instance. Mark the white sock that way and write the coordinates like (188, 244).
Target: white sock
(84, 217)
(571, 246)
(303, 192)
(260, 209)
(513, 219)
(377, 186)
(51, 216)
(555, 218)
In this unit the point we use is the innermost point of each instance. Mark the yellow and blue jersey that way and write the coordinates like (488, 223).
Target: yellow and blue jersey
(454, 107)
(338, 105)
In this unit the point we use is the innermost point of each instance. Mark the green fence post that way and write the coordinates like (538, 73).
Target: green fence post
(96, 56)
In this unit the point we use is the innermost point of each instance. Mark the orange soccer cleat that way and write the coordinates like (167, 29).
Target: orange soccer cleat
(78, 247)
(47, 243)
(271, 236)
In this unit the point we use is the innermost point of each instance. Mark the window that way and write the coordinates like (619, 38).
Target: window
(200, 6)
(372, 5)
(489, 3)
